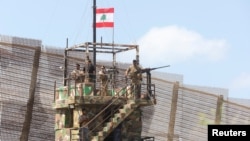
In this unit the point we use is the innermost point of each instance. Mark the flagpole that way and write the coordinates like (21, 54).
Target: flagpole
(94, 40)
(94, 32)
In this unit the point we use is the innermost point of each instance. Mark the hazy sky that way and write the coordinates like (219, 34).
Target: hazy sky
(208, 42)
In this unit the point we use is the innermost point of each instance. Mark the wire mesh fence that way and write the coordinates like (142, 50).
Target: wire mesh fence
(29, 72)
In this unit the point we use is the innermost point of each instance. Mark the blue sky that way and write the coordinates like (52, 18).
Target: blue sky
(208, 42)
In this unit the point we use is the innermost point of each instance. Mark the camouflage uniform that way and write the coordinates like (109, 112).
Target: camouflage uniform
(83, 120)
(76, 74)
(135, 75)
(104, 81)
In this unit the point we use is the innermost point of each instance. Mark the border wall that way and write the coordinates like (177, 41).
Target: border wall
(29, 72)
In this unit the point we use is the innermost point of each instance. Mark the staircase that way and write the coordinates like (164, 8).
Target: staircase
(123, 112)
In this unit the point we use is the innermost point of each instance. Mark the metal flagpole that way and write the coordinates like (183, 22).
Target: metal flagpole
(94, 40)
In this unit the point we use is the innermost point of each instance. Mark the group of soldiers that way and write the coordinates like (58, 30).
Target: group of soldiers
(88, 73)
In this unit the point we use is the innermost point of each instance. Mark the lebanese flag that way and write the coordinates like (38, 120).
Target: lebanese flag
(104, 17)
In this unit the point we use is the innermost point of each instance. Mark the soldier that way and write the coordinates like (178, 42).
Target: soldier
(135, 75)
(89, 68)
(104, 81)
(83, 120)
(75, 74)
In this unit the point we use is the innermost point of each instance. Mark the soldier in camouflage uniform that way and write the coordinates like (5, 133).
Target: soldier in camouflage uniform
(76, 74)
(83, 120)
(135, 75)
(104, 81)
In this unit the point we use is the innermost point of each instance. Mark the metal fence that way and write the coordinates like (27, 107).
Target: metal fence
(29, 71)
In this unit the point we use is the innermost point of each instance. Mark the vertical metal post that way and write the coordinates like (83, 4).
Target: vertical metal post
(54, 91)
(28, 115)
(218, 110)
(137, 54)
(149, 84)
(173, 112)
(65, 64)
(114, 69)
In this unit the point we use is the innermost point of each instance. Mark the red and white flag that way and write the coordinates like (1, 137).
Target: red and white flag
(104, 17)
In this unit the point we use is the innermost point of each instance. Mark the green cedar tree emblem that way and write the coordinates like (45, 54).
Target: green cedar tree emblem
(103, 17)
